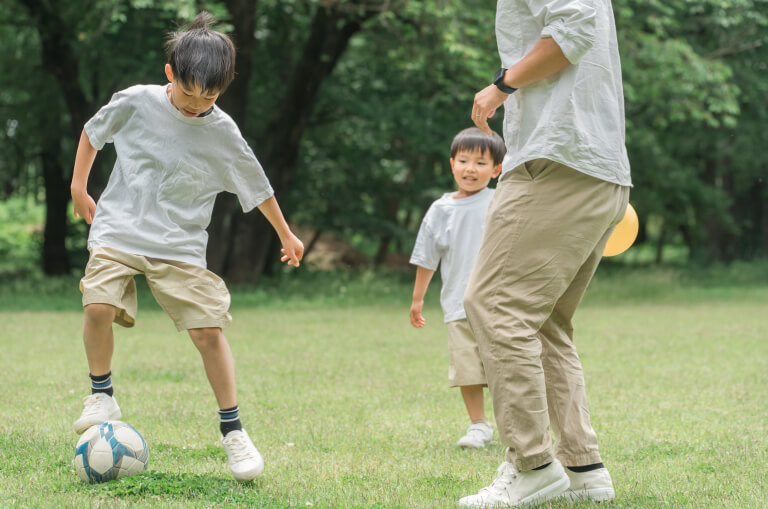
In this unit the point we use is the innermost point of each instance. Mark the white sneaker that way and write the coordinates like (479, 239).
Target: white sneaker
(245, 462)
(593, 485)
(478, 436)
(512, 488)
(99, 407)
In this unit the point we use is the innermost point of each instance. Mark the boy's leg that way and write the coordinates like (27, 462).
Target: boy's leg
(219, 365)
(480, 433)
(98, 339)
(109, 295)
(245, 462)
(473, 400)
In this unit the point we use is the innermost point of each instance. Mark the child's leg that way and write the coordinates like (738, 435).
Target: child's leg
(245, 462)
(473, 400)
(98, 339)
(99, 345)
(218, 362)
(480, 433)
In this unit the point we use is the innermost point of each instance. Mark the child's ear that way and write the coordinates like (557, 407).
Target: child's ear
(169, 72)
(451, 163)
(496, 171)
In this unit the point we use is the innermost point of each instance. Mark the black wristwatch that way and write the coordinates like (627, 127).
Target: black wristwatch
(498, 80)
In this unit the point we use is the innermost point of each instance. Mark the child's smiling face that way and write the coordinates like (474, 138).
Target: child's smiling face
(190, 100)
(472, 171)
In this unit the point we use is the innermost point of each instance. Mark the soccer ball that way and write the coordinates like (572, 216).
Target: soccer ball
(110, 450)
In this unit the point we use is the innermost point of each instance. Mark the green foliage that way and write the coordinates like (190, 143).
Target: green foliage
(21, 221)
(375, 153)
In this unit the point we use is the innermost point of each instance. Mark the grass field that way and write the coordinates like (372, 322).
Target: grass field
(349, 407)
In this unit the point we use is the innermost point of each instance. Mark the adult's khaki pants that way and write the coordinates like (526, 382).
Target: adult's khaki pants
(545, 232)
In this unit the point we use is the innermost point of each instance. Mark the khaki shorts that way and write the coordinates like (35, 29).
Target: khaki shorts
(465, 366)
(193, 296)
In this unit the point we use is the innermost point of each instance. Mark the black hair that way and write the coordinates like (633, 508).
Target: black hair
(472, 139)
(201, 56)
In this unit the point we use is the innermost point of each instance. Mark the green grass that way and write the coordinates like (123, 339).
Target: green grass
(349, 407)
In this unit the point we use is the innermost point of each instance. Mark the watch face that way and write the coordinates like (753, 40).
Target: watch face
(499, 75)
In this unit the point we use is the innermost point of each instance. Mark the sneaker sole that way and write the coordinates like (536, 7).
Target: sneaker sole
(554, 490)
(596, 495)
(467, 445)
(250, 475)
(80, 427)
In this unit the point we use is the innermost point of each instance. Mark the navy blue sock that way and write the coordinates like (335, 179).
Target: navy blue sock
(543, 466)
(230, 420)
(586, 468)
(102, 383)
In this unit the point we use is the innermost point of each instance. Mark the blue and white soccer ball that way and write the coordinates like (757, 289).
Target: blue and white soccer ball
(110, 450)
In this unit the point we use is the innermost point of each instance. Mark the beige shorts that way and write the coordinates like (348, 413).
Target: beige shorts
(193, 296)
(465, 366)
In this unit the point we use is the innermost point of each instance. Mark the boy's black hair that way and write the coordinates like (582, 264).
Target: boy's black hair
(201, 56)
(472, 139)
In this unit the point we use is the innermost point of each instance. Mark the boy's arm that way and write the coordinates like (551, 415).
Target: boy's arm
(293, 249)
(423, 277)
(84, 205)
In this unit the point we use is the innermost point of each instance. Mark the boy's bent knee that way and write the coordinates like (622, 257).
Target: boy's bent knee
(102, 313)
(205, 336)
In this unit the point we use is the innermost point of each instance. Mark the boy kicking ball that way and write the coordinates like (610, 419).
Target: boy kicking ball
(450, 236)
(175, 152)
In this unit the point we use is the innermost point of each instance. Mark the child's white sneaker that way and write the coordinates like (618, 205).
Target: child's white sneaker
(478, 436)
(99, 407)
(593, 485)
(512, 488)
(245, 462)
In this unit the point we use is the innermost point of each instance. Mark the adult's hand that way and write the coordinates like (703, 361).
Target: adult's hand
(487, 101)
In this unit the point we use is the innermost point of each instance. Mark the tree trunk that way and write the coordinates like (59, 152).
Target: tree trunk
(235, 102)
(58, 59)
(252, 247)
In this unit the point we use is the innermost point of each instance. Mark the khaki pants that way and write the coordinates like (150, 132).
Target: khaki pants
(545, 232)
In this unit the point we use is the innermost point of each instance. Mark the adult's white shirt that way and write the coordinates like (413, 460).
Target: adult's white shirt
(449, 237)
(576, 116)
(168, 171)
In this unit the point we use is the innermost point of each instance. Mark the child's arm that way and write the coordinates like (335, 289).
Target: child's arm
(84, 205)
(423, 277)
(293, 249)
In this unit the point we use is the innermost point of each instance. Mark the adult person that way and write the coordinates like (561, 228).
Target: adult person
(564, 186)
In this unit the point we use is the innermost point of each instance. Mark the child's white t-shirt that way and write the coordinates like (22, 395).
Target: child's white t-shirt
(168, 171)
(450, 237)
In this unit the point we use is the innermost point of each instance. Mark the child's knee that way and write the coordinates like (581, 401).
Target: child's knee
(100, 313)
(206, 337)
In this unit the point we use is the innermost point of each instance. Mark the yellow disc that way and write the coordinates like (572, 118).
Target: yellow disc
(624, 234)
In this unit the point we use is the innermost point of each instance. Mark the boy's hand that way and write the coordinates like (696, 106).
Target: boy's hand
(417, 320)
(293, 249)
(83, 206)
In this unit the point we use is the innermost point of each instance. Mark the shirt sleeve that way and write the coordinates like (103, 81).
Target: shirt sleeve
(426, 252)
(247, 179)
(571, 23)
(109, 119)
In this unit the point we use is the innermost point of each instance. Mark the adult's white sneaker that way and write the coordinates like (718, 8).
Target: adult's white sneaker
(98, 408)
(512, 488)
(593, 485)
(245, 462)
(478, 436)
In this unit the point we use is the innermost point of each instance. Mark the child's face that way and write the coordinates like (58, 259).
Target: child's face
(191, 101)
(472, 170)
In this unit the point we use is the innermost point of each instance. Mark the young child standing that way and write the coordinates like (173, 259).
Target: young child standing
(176, 151)
(450, 236)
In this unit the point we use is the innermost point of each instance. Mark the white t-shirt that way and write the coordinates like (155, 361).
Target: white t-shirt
(450, 237)
(168, 171)
(575, 117)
